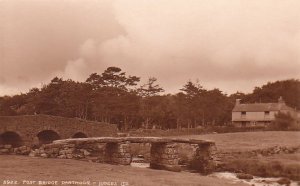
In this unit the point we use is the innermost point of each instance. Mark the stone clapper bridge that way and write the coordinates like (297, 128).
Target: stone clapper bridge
(23, 134)
(163, 153)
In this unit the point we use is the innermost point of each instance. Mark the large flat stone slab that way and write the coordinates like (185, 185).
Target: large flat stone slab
(132, 140)
(192, 141)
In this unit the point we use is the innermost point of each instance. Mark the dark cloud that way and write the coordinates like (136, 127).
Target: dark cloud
(232, 45)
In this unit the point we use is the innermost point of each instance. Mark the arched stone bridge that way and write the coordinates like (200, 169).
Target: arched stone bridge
(34, 130)
(116, 150)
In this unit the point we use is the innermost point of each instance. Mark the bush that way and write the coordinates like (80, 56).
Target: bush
(283, 121)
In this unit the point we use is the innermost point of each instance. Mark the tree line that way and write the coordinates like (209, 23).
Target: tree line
(115, 97)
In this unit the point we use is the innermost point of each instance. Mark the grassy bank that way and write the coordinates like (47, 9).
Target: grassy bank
(26, 168)
(283, 165)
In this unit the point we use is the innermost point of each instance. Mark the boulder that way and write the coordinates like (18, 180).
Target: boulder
(7, 146)
(55, 150)
(16, 150)
(25, 152)
(4, 150)
(284, 181)
(22, 148)
(69, 151)
(69, 156)
(62, 152)
(44, 155)
(92, 159)
(32, 154)
(244, 176)
(86, 153)
(62, 156)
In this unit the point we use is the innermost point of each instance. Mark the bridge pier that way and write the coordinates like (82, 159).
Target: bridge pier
(204, 158)
(164, 156)
(118, 153)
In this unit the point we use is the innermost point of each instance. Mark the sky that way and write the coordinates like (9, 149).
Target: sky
(231, 45)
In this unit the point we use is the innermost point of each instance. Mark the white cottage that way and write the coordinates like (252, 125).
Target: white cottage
(258, 114)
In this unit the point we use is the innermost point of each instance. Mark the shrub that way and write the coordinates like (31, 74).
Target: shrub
(283, 121)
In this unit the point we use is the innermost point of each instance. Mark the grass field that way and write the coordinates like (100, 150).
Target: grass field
(239, 141)
(245, 141)
(35, 169)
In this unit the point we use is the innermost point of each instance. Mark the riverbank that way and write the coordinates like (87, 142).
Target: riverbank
(265, 154)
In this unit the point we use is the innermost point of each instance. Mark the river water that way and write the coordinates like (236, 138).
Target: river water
(139, 162)
(257, 181)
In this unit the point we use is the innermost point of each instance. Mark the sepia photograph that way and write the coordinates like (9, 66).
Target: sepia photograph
(150, 92)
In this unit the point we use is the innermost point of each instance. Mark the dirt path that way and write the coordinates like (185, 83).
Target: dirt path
(37, 169)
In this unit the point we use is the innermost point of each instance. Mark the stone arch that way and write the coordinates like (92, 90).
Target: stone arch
(47, 136)
(79, 135)
(11, 138)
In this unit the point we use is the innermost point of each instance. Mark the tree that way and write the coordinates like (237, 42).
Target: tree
(193, 100)
(150, 89)
(289, 90)
(192, 90)
(95, 81)
(75, 99)
(113, 98)
(49, 101)
(114, 77)
(218, 107)
(198, 106)
(6, 107)
(149, 93)
(31, 99)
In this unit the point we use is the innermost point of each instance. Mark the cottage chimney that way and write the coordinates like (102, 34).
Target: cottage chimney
(237, 101)
(280, 100)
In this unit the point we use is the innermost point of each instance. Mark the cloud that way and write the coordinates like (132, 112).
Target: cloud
(80, 68)
(233, 45)
(40, 39)
(2, 80)
(220, 41)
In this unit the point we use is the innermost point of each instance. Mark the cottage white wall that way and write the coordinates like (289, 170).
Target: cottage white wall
(253, 116)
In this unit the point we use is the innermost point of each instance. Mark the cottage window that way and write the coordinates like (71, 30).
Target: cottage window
(267, 114)
(243, 114)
